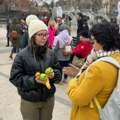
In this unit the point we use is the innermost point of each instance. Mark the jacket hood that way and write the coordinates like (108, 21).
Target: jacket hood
(64, 35)
(63, 38)
(15, 20)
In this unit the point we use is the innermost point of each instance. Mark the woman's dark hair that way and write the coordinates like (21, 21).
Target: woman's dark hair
(15, 20)
(107, 34)
(84, 33)
(80, 14)
(39, 52)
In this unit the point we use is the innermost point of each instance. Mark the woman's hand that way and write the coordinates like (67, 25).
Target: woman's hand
(71, 70)
(37, 79)
(50, 76)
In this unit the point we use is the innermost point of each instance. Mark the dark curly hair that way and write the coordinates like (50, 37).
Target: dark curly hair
(107, 34)
(80, 15)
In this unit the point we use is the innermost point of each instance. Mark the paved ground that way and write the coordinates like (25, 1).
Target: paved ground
(10, 100)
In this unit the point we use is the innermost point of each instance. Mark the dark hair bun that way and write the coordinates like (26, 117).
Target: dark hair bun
(107, 34)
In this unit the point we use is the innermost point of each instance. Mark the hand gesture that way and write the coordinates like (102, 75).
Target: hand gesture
(50, 76)
(37, 79)
(71, 70)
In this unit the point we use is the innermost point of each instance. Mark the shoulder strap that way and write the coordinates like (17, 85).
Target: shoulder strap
(113, 62)
(105, 59)
(63, 40)
(110, 60)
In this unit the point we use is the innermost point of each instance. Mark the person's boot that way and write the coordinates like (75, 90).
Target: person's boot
(11, 56)
(64, 80)
(7, 45)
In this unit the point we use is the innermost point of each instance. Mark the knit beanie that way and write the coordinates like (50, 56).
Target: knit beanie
(36, 26)
(30, 18)
(62, 27)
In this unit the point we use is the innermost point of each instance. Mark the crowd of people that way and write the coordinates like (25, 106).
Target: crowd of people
(39, 46)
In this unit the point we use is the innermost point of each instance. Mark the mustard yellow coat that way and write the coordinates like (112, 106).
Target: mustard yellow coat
(100, 82)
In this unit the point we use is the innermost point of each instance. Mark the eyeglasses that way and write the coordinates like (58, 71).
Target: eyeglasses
(43, 35)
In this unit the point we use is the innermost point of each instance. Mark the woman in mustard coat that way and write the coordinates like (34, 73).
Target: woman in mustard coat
(101, 78)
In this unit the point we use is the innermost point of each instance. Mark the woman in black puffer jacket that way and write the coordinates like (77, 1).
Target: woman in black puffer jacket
(37, 101)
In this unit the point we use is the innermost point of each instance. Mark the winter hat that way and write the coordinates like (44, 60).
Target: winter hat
(36, 26)
(63, 27)
(30, 18)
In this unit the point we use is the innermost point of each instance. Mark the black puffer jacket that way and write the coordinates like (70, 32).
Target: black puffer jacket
(82, 25)
(23, 72)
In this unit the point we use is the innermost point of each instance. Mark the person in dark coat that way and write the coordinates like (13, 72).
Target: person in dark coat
(25, 36)
(15, 25)
(37, 101)
(8, 30)
(81, 24)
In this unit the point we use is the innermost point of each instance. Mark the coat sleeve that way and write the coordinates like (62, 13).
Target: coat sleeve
(19, 78)
(81, 94)
(78, 49)
(24, 40)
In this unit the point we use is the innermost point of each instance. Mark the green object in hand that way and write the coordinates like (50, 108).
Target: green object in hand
(43, 77)
(48, 71)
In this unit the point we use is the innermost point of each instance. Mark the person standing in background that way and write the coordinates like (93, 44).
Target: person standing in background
(84, 46)
(23, 25)
(52, 32)
(60, 24)
(9, 21)
(25, 36)
(45, 20)
(60, 41)
(15, 28)
(81, 24)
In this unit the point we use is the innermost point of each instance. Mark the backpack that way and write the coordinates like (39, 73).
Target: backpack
(111, 110)
(14, 34)
(67, 49)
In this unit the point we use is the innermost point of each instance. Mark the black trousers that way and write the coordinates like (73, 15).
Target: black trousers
(64, 64)
(72, 57)
(8, 40)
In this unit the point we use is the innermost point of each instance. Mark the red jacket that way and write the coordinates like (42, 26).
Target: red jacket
(83, 49)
